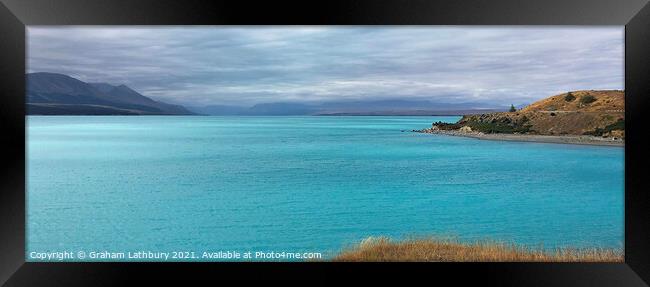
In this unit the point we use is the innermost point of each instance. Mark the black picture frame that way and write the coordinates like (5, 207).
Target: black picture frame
(16, 14)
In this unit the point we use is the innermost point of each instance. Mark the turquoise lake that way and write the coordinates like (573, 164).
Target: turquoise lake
(306, 184)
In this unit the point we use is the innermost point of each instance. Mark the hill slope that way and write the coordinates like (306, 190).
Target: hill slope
(585, 101)
(595, 113)
(58, 94)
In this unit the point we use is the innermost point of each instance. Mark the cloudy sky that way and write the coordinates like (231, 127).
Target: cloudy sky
(247, 65)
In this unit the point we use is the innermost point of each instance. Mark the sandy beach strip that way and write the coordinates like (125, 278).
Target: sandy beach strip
(558, 139)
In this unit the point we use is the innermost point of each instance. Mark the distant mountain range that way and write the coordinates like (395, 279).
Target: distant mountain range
(58, 94)
(396, 107)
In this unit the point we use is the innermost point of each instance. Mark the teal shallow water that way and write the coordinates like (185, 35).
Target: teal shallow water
(305, 184)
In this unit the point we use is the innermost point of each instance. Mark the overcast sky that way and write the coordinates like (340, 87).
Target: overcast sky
(248, 65)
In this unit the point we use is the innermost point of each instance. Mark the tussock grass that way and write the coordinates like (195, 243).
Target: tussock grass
(382, 249)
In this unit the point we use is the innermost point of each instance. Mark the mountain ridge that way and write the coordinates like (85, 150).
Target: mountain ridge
(390, 107)
(59, 94)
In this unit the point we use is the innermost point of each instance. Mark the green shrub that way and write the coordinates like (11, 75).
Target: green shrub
(569, 97)
(587, 99)
(618, 125)
(512, 108)
(498, 127)
(447, 126)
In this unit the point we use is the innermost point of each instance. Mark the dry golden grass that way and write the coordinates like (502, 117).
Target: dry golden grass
(604, 101)
(449, 250)
(557, 116)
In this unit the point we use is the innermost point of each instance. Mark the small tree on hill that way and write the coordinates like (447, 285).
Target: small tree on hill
(512, 108)
(569, 97)
(587, 99)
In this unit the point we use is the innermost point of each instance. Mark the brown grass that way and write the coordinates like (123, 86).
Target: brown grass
(557, 116)
(450, 250)
(604, 101)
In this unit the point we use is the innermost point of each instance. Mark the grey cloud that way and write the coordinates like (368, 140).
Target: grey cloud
(248, 65)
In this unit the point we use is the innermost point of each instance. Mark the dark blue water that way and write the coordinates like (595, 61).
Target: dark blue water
(312, 184)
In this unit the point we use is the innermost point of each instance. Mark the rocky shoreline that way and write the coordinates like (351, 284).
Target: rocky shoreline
(558, 139)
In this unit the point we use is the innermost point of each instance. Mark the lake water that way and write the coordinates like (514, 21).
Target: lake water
(305, 184)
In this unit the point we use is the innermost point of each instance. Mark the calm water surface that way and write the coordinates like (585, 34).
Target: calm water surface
(305, 184)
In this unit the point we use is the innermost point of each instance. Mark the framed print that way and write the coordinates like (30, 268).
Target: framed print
(172, 141)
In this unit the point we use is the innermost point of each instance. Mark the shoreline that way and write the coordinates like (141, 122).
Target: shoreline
(559, 139)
